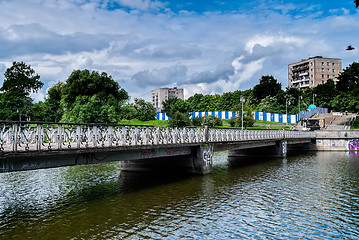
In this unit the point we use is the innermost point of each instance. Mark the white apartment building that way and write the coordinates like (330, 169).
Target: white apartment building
(313, 71)
(162, 94)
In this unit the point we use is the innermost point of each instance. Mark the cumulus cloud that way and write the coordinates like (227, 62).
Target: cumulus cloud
(148, 44)
(160, 77)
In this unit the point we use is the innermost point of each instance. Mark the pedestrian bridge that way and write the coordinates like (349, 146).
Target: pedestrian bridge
(31, 145)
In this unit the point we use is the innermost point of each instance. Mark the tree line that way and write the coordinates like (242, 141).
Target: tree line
(93, 97)
(85, 97)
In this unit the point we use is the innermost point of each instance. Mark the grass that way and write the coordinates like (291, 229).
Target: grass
(355, 125)
(138, 122)
(272, 125)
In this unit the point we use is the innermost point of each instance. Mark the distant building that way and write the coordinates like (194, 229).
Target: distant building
(313, 71)
(162, 94)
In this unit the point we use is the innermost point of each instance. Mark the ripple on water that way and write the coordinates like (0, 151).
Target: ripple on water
(312, 196)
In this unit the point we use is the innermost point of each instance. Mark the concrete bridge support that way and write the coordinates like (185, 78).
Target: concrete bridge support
(278, 149)
(198, 161)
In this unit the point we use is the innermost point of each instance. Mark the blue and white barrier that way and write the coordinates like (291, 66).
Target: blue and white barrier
(270, 117)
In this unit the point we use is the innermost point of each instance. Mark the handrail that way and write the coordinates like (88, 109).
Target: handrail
(23, 137)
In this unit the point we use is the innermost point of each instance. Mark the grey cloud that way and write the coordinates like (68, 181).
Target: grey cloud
(161, 77)
(33, 38)
(221, 72)
(150, 49)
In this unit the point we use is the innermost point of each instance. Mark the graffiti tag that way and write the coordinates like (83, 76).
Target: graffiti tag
(353, 145)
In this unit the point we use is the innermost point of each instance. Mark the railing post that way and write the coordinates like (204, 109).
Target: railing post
(206, 134)
(59, 136)
(15, 137)
(110, 135)
(157, 136)
(38, 137)
(78, 136)
(94, 136)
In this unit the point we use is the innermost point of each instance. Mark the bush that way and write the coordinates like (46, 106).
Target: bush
(197, 121)
(232, 121)
(211, 121)
(179, 120)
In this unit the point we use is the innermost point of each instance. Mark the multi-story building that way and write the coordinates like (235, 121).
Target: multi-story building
(313, 71)
(162, 94)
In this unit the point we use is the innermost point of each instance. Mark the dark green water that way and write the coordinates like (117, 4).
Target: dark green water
(310, 196)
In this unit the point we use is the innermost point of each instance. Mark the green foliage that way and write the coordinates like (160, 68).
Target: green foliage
(179, 119)
(268, 86)
(90, 98)
(349, 78)
(84, 83)
(210, 121)
(197, 121)
(173, 105)
(39, 112)
(53, 103)
(14, 106)
(248, 120)
(144, 111)
(21, 78)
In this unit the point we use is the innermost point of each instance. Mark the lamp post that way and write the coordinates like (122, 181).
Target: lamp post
(286, 111)
(242, 100)
(314, 95)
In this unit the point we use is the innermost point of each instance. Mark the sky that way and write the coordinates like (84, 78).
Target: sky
(203, 46)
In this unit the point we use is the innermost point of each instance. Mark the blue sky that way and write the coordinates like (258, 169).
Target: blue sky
(206, 47)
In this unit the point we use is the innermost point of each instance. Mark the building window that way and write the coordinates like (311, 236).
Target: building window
(327, 76)
(322, 75)
(333, 76)
(327, 69)
(327, 63)
(311, 63)
(322, 81)
(333, 64)
(311, 69)
(322, 69)
(333, 70)
(322, 63)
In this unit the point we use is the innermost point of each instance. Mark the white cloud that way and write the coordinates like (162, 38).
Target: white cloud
(146, 48)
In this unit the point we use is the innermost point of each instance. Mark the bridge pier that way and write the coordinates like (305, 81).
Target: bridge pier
(278, 149)
(199, 161)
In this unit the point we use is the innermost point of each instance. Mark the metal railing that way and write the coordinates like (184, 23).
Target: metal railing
(24, 136)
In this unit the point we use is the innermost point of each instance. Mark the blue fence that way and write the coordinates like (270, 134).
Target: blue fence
(271, 117)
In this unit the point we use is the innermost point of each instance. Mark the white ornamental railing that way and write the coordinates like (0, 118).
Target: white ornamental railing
(24, 136)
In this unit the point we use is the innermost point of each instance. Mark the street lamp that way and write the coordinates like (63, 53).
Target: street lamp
(242, 100)
(314, 95)
(286, 110)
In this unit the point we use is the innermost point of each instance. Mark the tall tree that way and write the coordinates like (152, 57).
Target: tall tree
(268, 87)
(15, 102)
(22, 78)
(349, 78)
(92, 97)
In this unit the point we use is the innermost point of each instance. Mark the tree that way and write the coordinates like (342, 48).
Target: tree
(84, 83)
(325, 94)
(15, 102)
(173, 105)
(268, 86)
(247, 115)
(349, 78)
(179, 119)
(90, 97)
(53, 102)
(21, 77)
(144, 111)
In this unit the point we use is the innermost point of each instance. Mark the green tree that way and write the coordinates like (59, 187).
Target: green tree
(349, 78)
(53, 102)
(173, 105)
(144, 110)
(268, 86)
(22, 78)
(325, 94)
(91, 97)
(15, 102)
(247, 115)
(179, 119)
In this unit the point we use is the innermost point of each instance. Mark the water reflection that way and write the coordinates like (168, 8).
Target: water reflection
(311, 196)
